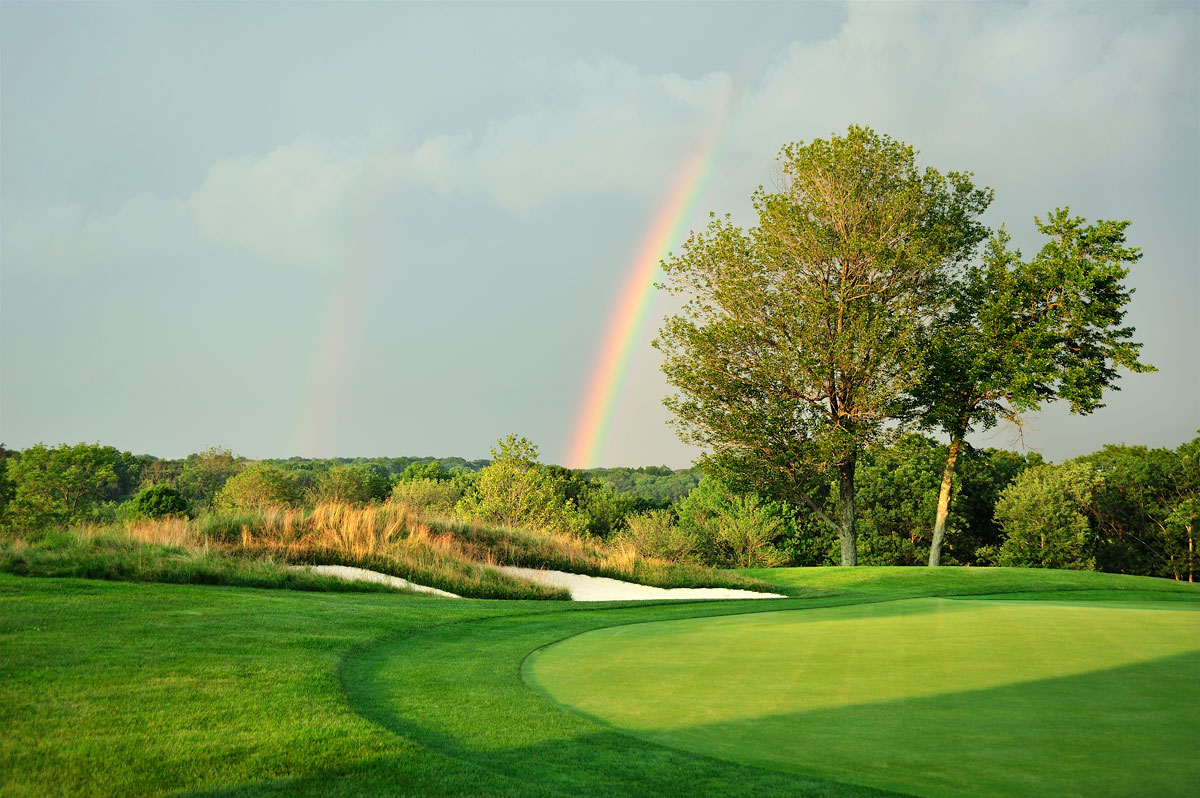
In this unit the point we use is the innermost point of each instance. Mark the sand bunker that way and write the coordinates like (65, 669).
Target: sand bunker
(598, 588)
(351, 574)
(581, 588)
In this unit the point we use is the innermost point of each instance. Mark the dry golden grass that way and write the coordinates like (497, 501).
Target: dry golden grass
(427, 549)
(391, 538)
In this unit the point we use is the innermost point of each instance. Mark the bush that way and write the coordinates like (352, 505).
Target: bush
(257, 487)
(432, 496)
(158, 501)
(655, 534)
(518, 491)
(1042, 514)
(733, 530)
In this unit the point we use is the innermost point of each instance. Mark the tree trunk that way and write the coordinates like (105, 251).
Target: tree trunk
(943, 508)
(847, 534)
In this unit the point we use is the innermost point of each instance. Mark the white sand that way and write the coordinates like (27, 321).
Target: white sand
(581, 588)
(351, 574)
(598, 588)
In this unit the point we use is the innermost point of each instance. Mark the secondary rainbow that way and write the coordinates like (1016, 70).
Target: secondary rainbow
(629, 318)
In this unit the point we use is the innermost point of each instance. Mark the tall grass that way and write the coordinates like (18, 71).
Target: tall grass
(256, 548)
(530, 549)
(111, 553)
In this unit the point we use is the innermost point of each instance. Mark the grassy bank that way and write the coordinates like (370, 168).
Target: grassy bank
(254, 549)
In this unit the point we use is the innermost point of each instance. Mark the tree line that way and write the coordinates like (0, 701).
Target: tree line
(1125, 509)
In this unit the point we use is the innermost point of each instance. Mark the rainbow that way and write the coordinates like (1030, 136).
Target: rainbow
(629, 317)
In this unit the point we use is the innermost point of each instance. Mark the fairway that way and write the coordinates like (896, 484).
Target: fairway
(930, 696)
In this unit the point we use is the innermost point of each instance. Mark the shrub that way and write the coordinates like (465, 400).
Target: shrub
(733, 530)
(257, 487)
(518, 491)
(1042, 514)
(655, 534)
(158, 501)
(431, 496)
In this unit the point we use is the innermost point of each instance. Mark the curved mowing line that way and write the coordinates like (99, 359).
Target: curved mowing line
(457, 690)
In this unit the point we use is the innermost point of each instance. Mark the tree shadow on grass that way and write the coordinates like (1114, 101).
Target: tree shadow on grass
(1126, 731)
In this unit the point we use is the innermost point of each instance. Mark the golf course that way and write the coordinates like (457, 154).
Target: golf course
(865, 681)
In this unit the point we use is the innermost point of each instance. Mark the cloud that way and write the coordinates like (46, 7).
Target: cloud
(295, 206)
(1032, 93)
(621, 132)
(1026, 96)
(613, 130)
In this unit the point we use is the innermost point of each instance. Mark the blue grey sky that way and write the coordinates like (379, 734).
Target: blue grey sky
(358, 229)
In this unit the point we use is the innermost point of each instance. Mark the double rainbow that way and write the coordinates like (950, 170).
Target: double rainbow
(629, 317)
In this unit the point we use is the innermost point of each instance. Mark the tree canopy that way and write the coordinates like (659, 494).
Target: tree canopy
(798, 336)
(1019, 333)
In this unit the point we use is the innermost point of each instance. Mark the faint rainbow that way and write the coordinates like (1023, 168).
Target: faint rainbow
(320, 408)
(630, 313)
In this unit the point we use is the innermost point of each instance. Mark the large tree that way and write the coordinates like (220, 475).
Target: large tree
(798, 336)
(1020, 333)
(61, 484)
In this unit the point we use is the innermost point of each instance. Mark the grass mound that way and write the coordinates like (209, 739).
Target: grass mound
(110, 554)
(254, 549)
(530, 549)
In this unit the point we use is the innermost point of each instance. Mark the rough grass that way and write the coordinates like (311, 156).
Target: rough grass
(112, 555)
(254, 549)
(531, 549)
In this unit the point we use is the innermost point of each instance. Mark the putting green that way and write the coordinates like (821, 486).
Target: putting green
(926, 696)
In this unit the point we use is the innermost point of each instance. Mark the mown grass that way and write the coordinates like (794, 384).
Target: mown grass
(895, 582)
(254, 549)
(110, 688)
(949, 697)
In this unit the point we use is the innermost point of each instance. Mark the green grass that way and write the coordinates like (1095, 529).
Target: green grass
(934, 696)
(894, 582)
(112, 688)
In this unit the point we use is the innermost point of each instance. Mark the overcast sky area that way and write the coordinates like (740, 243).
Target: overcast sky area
(393, 229)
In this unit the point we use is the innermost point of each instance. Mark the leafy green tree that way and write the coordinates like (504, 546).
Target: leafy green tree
(7, 489)
(60, 485)
(732, 529)
(1145, 510)
(157, 472)
(982, 475)
(432, 496)
(158, 501)
(798, 336)
(432, 470)
(1018, 334)
(257, 487)
(518, 491)
(654, 486)
(351, 484)
(1045, 517)
(204, 474)
(656, 534)
(896, 491)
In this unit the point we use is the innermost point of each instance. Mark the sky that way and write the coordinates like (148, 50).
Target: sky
(384, 229)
